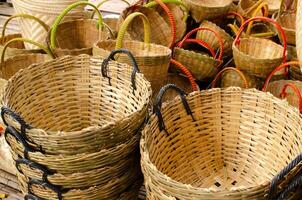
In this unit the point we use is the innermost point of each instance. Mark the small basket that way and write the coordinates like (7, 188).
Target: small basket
(207, 9)
(85, 32)
(19, 47)
(258, 56)
(221, 144)
(13, 64)
(153, 60)
(202, 66)
(252, 8)
(232, 77)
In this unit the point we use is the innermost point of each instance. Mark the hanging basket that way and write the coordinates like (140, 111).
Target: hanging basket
(221, 144)
(13, 64)
(153, 60)
(19, 47)
(258, 56)
(207, 9)
(45, 10)
(232, 77)
(202, 66)
(84, 34)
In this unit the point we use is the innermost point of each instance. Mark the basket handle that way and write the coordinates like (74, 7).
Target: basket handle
(132, 59)
(235, 14)
(237, 39)
(218, 76)
(262, 6)
(282, 66)
(126, 23)
(158, 104)
(44, 48)
(46, 185)
(27, 16)
(103, 2)
(187, 73)
(177, 2)
(54, 29)
(201, 43)
(207, 29)
(297, 92)
(296, 181)
(31, 197)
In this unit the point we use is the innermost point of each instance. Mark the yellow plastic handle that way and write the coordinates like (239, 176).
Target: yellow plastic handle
(45, 49)
(264, 6)
(125, 25)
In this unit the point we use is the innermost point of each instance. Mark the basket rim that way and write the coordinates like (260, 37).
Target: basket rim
(4, 101)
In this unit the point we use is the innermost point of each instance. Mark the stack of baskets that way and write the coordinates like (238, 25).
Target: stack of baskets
(73, 127)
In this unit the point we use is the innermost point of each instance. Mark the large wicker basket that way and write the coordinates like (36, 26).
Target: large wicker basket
(221, 144)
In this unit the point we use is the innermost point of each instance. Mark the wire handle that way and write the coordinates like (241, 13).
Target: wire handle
(219, 75)
(277, 69)
(125, 25)
(277, 25)
(206, 29)
(54, 29)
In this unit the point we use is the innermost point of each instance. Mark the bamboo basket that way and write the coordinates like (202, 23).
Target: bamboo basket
(299, 31)
(278, 88)
(232, 77)
(258, 56)
(85, 32)
(13, 64)
(45, 10)
(207, 9)
(153, 60)
(202, 66)
(19, 47)
(179, 11)
(88, 135)
(239, 140)
(250, 8)
(295, 73)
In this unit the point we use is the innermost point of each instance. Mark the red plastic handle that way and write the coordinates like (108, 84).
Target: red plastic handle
(297, 92)
(187, 73)
(205, 29)
(201, 43)
(282, 66)
(237, 39)
(229, 69)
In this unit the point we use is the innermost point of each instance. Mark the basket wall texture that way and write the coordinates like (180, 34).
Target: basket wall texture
(219, 144)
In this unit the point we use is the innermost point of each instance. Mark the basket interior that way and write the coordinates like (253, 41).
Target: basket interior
(70, 94)
(79, 34)
(239, 139)
(260, 48)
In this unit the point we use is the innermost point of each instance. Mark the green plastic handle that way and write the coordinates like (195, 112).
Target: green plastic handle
(45, 26)
(45, 49)
(126, 23)
(62, 15)
(101, 3)
(177, 2)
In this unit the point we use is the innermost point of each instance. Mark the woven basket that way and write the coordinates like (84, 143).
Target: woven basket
(252, 8)
(231, 76)
(299, 32)
(220, 144)
(13, 64)
(153, 60)
(45, 10)
(258, 56)
(295, 73)
(179, 11)
(207, 9)
(19, 47)
(85, 32)
(200, 65)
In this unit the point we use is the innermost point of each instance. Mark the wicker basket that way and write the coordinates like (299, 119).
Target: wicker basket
(85, 32)
(19, 47)
(295, 73)
(258, 56)
(252, 8)
(231, 76)
(180, 13)
(13, 64)
(200, 65)
(207, 9)
(221, 144)
(45, 10)
(153, 60)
